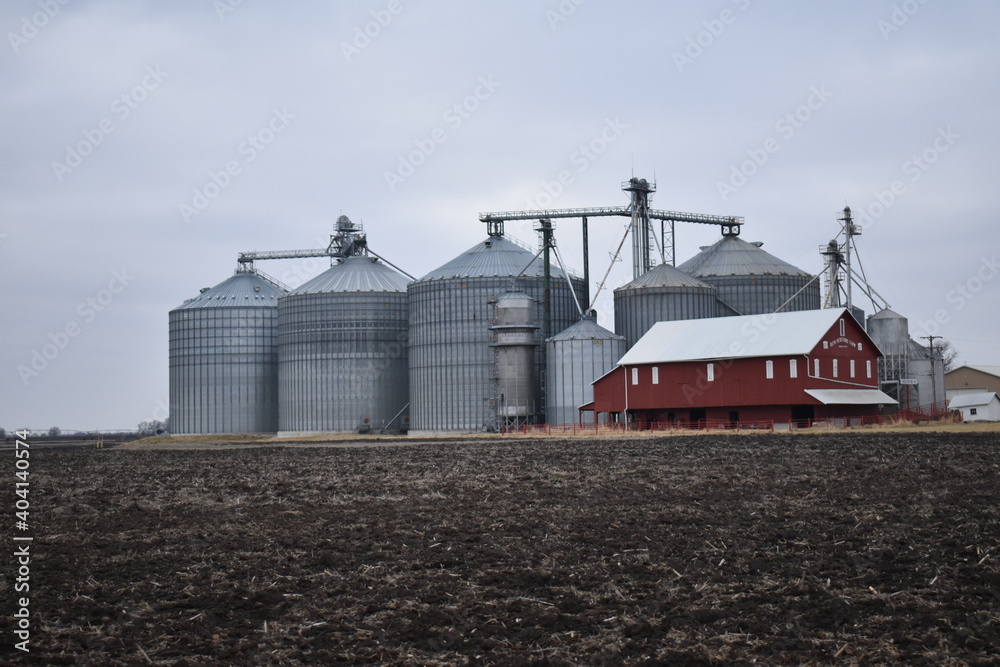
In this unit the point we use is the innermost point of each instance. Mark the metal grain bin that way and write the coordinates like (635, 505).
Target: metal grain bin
(342, 350)
(929, 375)
(224, 358)
(751, 281)
(514, 340)
(451, 362)
(662, 294)
(575, 358)
(891, 333)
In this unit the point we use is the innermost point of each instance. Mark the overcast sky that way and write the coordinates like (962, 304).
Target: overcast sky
(147, 143)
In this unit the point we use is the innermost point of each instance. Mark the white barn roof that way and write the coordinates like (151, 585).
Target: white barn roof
(971, 400)
(778, 334)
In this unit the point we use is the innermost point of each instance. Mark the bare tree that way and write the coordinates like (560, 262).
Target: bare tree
(152, 427)
(55, 431)
(947, 353)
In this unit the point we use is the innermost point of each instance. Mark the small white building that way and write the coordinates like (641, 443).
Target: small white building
(977, 407)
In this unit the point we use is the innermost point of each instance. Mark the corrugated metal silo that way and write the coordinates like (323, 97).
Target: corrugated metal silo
(752, 281)
(928, 374)
(514, 341)
(224, 358)
(891, 333)
(342, 349)
(451, 362)
(575, 358)
(663, 293)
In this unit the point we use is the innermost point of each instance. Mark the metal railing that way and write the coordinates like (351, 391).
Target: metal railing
(605, 211)
(613, 428)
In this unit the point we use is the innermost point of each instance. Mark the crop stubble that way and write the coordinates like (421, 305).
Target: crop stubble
(844, 549)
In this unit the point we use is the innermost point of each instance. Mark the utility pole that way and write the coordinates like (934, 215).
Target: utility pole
(933, 371)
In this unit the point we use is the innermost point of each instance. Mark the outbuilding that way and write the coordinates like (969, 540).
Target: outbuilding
(979, 407)
(784, 367)
(972, 380)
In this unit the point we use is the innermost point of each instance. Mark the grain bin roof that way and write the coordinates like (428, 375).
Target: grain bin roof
(918, 351)
(732, 256)
(492, 257)
(355, 274)
(665, 275)
(240, 290)
(586, 329)
(886, 314)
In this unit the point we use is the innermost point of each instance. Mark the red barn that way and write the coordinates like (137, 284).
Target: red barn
(810, 364)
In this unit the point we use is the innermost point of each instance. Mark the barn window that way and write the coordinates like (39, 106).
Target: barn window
(835, 370)
(816, 367)
(859, 347)
(769, 369)
(972, 411)
(793, 368)
(635, 376)
(656, 375)
(841, 326)
(852, 367)
(710, 372)
(868, 368)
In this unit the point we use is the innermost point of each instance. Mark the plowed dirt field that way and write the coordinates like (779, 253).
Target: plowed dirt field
(844, 548)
